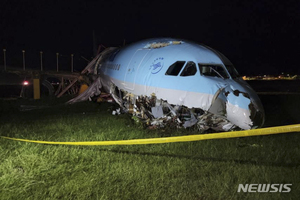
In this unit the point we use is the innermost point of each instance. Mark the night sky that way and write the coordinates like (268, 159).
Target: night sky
(259, 37)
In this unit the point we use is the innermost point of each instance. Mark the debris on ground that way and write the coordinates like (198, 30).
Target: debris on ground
(157, 113)
(116, 112)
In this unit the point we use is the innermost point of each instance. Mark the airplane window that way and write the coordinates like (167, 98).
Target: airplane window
(189, 70)
(213, 70)
(175, 68)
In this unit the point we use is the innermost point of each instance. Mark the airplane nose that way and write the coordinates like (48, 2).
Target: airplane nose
(244, 107)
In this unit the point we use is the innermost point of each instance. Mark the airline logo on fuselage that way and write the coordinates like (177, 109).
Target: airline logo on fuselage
(157, 65)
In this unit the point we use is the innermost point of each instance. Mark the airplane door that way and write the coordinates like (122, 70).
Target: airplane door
(133, 67)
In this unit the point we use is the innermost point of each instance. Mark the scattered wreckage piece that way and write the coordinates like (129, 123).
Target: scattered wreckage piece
(89, 69)
(92, 90)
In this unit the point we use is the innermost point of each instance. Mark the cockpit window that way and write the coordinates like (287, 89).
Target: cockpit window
(232, 71)
(213, 70)
(189, 70)
(175, 68)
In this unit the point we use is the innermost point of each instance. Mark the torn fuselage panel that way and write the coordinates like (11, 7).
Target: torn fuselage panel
(160, 44)
(159, 113)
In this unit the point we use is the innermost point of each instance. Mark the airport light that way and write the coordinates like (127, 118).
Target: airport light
(25, 83)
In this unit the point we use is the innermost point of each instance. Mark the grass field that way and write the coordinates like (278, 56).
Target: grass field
(210, 169)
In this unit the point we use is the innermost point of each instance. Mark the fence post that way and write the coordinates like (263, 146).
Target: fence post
(57, 54)
(72, 55)
(41, 54)
(23, 51)
(4, 58)
(36, 88)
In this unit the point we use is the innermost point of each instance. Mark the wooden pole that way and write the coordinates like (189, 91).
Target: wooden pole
(36, 88)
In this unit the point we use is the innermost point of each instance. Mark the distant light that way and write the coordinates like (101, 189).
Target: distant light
(25, 83)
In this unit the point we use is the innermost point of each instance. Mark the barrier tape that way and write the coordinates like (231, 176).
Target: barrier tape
(188, 138)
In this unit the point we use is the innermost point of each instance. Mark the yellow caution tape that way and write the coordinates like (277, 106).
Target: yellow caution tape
(189, 138)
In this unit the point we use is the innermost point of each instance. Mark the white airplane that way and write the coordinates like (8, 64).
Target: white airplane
(181, 74)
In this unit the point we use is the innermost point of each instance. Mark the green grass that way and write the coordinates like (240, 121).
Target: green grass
(209, 169)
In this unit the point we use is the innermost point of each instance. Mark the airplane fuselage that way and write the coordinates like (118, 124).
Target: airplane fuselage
(183, 73)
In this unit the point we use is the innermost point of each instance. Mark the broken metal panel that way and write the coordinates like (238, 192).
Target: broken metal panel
(160, 44)
(157, 111)
(90, 68)
(191, 122)
(214, 122)
(68, 87)
(218, 107)
(92, 90)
